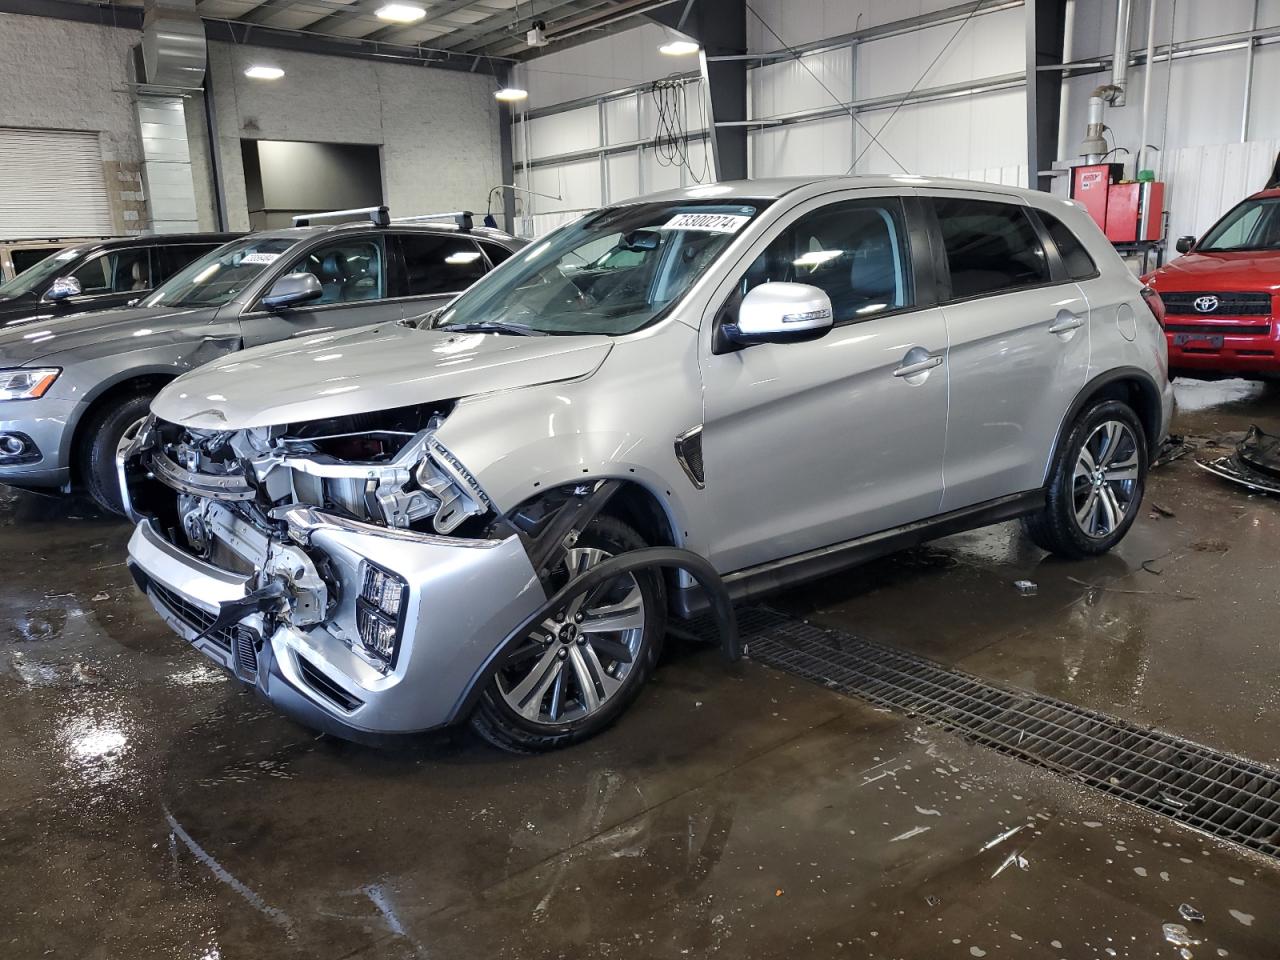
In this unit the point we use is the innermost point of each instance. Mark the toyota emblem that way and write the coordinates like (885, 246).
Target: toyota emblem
(1206, 304)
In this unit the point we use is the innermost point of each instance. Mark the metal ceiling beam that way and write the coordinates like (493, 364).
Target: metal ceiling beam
(478, 37)
(720, 26)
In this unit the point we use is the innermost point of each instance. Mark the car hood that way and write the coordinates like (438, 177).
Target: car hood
(1240, 272)
(135, 327)
(366, 370)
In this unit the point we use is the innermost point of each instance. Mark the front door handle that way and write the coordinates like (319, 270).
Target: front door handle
(1067, 324)
(920, 366)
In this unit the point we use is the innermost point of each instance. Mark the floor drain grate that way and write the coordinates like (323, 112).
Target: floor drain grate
(1226, 796)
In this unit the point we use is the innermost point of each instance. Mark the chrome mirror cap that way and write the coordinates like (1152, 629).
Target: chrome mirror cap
(294, 288)
(781, 312)
(63, 288)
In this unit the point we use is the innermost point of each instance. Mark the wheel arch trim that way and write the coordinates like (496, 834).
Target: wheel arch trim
(1149, 415)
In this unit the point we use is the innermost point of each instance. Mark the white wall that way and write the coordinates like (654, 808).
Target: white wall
(59, 75)
(438, 129)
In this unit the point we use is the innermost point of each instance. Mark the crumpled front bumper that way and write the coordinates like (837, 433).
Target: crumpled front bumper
(464, 598)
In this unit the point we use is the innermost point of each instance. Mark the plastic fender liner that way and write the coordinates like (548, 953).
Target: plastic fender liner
(643, 559)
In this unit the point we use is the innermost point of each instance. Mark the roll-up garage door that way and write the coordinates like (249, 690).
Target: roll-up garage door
(52, 185)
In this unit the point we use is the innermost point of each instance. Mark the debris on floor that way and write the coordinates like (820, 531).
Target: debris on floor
(1173, 448)
(1189, 913)
(1255, 464)
(1158, 510)
(1027, 588)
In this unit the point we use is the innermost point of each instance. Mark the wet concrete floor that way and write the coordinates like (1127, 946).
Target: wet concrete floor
(150, 808)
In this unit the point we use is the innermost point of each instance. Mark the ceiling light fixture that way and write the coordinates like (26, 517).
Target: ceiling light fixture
(679, 48)
(401, 13)
(510, 94)
(260, 71)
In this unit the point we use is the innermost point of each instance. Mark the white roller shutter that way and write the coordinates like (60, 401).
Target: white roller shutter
(52, 185)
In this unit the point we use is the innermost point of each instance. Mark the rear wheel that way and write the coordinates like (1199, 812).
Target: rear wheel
(102, 434)
(582, 667)
(1096, 485)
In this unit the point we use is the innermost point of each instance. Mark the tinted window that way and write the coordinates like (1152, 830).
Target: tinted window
(496, 251)
(221, 275)
(990, 247)
(854, 250)
(29, 256)
(1075, 257)
(438, 263)
(166, 261)
(118, 271)
(349, 270)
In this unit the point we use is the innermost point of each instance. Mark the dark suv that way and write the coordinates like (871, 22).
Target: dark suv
(70, 387)
(100, 274)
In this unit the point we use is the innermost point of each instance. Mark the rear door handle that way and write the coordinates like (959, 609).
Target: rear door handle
(1067, 324)
(920, 366)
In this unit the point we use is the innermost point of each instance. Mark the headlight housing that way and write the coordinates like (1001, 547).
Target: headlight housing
(27, 383)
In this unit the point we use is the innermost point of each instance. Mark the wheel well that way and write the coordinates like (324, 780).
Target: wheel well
(150, 383)
(1141, 397)
(640, 509)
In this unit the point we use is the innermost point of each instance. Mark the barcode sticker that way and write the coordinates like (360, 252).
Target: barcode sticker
(263, 258)
(710, 222)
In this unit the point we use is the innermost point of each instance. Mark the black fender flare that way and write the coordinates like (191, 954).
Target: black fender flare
(645, 558)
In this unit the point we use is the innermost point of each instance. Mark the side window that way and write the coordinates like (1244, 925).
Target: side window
(855, 250)
(118, 271)
(166, 261)
(1075, 257)
(496, 251)
(991, 247)
(438, 263)
(349, 270)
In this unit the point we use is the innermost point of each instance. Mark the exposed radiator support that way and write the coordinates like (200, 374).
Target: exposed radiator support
(173, 44)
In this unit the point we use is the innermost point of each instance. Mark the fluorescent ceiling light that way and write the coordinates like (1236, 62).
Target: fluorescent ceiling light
(679, 48)
(260, 71)
(401, 13)
(511, 94)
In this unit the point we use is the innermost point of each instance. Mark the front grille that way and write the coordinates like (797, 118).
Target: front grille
(195, 618)
(1220, 794)
(1229, 329)
(1228, 304)
(322, 685)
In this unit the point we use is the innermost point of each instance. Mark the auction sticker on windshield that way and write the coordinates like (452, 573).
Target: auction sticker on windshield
(262, 258)
(710, 222)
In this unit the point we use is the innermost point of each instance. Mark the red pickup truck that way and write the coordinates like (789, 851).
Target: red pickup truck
(1222, 298)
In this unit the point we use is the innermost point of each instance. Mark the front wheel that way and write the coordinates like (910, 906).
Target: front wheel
(102, 435)
(1095, 489)
(583, 666)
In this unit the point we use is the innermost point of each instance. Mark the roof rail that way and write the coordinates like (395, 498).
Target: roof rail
(461, 217)
(381, 216)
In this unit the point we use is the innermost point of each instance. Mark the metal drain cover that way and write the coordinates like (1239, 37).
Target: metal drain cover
(1223, 795)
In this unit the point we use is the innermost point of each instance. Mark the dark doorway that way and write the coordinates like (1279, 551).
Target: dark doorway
(284, 178)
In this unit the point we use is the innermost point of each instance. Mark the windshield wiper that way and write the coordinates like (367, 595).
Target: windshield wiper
(493, 326)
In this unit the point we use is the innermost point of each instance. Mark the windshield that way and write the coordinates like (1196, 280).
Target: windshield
(1253, 225)
(612, 272)
(217, 277)
(37, 279)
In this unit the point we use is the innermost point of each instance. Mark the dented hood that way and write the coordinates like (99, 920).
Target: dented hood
(366, 370)
(80, 336)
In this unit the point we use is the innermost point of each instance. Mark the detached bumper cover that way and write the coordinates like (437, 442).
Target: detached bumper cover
(465, 597)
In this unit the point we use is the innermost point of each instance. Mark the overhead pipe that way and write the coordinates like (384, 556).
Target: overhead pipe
(1148, 81)
(1120, 59)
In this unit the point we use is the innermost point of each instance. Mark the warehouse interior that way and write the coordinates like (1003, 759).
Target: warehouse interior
(965, 746)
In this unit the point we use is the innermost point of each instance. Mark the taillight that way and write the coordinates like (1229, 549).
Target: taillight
(1154, 303)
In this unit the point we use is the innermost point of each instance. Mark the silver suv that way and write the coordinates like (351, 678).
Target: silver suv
(70, 385)
(491, 513)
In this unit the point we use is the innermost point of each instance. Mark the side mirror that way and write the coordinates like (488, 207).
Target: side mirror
(781, 313)
(63, 288)
(293, 289)
(1184, 244)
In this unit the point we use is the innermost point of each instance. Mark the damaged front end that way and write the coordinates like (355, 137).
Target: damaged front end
(352, 569)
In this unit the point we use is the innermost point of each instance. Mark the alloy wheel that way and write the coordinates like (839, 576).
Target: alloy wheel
(574, 662)
(1105, 481)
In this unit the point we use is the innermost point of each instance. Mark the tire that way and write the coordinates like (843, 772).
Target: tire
(101, 436)
(496, 718)
(1085, 515)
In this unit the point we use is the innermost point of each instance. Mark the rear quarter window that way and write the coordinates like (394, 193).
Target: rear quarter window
(991, 247)
(1075, 258)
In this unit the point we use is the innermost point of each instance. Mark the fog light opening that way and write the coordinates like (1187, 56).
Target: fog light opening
(11, 446)
(380, 613)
